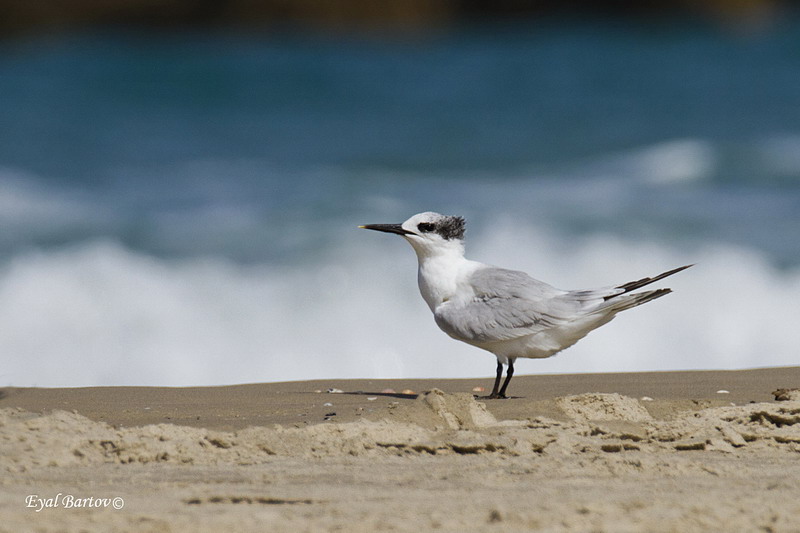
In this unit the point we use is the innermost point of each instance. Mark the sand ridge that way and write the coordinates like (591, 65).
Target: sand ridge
(436, 423)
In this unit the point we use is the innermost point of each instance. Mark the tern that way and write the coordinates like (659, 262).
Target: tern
(505, 312)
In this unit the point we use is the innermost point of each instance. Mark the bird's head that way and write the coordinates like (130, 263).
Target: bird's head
(429, 233)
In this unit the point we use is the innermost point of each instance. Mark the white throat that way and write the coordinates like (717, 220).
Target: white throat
(442, 270)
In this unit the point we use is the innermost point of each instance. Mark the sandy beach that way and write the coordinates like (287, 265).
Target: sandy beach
(662, 451)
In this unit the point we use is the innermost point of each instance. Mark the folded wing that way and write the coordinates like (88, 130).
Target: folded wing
(507, 304)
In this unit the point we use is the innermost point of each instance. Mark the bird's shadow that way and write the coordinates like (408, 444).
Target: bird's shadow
(475, 396)
(386, 394)
(415, 396)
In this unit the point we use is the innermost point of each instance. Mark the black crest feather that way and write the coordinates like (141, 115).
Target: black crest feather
(451, 227)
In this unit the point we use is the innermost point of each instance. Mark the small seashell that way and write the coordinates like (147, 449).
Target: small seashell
(646, 399)
(478, 389)
(327, 404)
(388, 391)
(371, 398)
(335, 391)
(408, 391)
(723, 391)
(318, 391)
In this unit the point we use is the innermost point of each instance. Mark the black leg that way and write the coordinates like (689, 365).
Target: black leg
(497, 381)
(509, 373)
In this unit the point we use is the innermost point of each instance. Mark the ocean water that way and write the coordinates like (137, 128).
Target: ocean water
(182, 209)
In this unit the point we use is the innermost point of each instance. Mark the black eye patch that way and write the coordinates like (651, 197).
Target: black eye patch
(425, 227)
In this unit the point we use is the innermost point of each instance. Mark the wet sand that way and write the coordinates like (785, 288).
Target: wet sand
(662, 451)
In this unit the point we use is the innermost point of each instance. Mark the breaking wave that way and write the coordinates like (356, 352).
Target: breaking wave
(101, 314)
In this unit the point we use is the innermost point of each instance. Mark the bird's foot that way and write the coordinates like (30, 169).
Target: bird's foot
(493, 397)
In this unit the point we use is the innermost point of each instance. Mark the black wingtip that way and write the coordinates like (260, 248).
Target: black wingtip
(633, 285)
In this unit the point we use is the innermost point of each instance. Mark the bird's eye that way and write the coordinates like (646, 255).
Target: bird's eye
(425, 227)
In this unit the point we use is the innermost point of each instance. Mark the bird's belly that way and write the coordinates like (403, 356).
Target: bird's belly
(536, 346)
(539, 345)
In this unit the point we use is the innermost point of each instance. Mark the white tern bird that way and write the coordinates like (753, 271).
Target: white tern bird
(505, 312)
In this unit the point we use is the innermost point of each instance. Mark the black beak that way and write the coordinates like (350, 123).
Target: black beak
(388, 228)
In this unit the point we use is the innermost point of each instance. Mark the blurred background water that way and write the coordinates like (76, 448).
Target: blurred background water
(180, 207)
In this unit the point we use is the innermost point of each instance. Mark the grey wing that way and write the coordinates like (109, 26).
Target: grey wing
(507, 304)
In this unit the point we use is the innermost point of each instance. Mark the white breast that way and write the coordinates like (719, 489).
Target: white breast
(444, 278)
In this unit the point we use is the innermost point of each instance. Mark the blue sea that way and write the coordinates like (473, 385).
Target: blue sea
(182, 208)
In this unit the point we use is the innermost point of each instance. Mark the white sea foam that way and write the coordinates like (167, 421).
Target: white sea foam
(669, 162)
(100, 314)
(675, 161)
